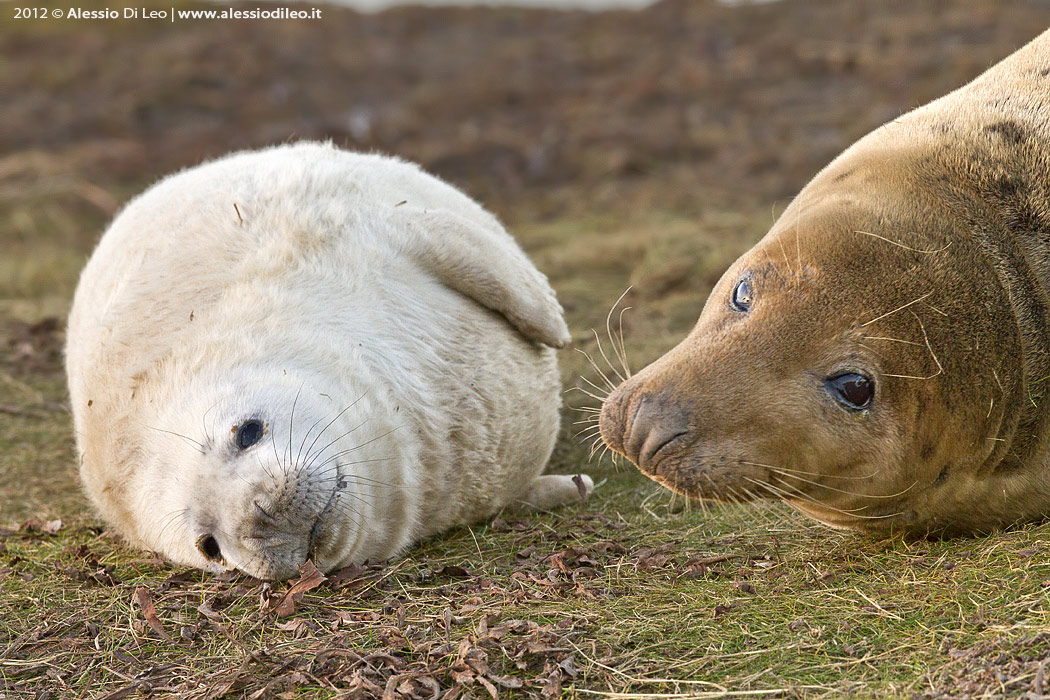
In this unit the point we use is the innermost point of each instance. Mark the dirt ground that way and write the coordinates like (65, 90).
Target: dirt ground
(644, 149)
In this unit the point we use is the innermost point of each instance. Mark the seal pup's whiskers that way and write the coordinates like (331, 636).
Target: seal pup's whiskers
(187, 438)
(291, 421)
(204, 419)
(169, 519)
(330, 458)
(310, 454)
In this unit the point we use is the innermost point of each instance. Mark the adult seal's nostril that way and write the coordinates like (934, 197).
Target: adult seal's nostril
(659, 444)
(653, 426)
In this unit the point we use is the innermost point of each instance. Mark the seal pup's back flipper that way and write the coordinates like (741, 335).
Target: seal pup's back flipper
(552, 490)
(486, 265)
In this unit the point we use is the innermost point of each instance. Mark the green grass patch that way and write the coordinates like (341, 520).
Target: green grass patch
(638, 593)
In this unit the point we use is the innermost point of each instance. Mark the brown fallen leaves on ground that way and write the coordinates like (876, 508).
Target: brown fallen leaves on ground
(144, 599)
(309, 579)
(403, 630)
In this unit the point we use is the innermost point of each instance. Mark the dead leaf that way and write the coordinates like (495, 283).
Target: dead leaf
(568, 666)
(144, 599)
(580, 486)
(298, 627)
(453, 571)
(310, 578)
(551, 682)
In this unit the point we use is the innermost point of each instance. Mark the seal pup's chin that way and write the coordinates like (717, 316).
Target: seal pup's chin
(270, 478)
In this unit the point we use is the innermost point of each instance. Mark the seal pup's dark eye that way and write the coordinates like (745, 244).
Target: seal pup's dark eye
(742, 295)
(250, 432)
(851, 390)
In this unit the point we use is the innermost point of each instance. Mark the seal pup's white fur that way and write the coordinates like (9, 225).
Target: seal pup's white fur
(390, 337)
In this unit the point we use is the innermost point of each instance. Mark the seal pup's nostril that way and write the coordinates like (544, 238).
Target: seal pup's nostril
(264, 515)
(209, 547)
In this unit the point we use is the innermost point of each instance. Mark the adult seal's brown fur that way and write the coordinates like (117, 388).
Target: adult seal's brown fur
(881, 358)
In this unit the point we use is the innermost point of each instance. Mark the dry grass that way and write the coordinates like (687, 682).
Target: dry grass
(643, 150)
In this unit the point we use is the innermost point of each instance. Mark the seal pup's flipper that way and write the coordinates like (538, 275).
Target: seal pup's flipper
(486, 265)
(550, 490)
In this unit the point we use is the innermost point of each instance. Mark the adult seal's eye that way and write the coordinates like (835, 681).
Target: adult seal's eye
(742, 295)
(852, 390)
(250, 432)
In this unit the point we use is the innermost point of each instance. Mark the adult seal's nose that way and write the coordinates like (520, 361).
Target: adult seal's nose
(653, 425)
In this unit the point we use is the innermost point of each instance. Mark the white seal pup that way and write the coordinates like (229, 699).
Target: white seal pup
(303, 352)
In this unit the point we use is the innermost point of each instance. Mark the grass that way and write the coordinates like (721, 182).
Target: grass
(638, 593)
(643, 151)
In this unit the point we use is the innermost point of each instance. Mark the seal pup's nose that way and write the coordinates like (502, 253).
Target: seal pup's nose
(270, 539)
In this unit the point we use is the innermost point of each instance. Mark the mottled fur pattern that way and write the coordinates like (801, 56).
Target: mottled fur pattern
(919, 257)
(392, 338)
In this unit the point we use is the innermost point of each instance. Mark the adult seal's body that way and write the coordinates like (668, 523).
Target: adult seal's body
(880, 359)
(303, 352)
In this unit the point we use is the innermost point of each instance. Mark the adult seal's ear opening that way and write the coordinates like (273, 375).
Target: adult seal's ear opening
(879, 359)
(305, 353)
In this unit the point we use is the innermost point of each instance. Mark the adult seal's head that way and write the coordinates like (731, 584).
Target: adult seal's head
(881, 359)
(304, 353)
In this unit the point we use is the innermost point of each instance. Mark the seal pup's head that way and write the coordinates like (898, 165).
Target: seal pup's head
(874, 360)
(260, 472)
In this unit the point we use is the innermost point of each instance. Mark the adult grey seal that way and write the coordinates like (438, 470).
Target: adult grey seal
(881, 358)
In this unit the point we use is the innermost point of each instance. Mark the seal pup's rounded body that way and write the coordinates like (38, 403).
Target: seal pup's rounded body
(304, 352)
(881, 358)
